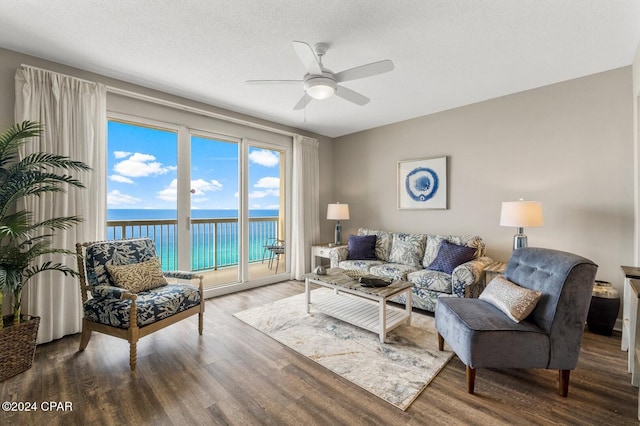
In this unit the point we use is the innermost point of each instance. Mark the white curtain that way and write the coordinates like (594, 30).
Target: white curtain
(305, 200)
(73, 113)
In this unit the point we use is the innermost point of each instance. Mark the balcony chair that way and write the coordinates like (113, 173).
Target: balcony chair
(486, 336)
(125, 293)
(274, 247)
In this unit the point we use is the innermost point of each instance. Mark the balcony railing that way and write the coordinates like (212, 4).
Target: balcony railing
(214, 242)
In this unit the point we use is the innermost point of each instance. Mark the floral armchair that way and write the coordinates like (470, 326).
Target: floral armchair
(125, 293)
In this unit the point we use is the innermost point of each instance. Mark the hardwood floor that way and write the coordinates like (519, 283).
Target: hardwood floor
(234, 374)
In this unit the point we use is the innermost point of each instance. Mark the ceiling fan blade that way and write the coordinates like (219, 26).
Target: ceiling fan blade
(307, 56)
(273, 81)
(363, 71)
(352, 96)
(303, 102)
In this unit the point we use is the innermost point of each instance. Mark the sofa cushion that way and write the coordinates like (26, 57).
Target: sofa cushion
(362, 247)
(396, 271)
(359, 265)
(383, 242)
(408, 249)
(450, 256)
(152, 305)
(433, 242)
(431, 280)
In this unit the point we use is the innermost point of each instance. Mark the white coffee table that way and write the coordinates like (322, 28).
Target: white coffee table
(364, 307)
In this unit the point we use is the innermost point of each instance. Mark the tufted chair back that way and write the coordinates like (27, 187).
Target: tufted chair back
(566, 282)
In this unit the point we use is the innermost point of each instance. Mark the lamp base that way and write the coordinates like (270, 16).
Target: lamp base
(338, 235)
(519, 241)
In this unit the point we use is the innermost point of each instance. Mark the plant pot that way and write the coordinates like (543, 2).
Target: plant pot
(17, 345)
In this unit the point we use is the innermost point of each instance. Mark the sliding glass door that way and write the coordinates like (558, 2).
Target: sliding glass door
(213, 204)
(141, 185)
(266, 202)
(214, 215)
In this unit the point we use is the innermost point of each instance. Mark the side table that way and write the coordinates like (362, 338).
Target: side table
(321, 251)
(492, 270)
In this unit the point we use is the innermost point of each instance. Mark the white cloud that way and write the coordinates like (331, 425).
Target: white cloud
(121, 179)
(116, 197)
(141, 165)
(121, 154)
(270, 187)
(170, 193)
(199, 186)
(268, 182)
(264, 158)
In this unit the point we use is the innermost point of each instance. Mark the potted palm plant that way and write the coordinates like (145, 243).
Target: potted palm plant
(22, 240)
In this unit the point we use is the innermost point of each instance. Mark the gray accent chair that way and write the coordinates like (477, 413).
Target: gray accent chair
(550, 337)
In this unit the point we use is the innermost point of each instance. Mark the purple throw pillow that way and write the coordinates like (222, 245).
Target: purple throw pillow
(450, 256)
(361, 247)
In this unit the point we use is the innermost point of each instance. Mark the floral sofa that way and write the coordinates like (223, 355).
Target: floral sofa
(419, 258)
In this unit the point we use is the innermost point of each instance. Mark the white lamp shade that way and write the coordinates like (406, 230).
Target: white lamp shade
(338, 211)
(521, 214)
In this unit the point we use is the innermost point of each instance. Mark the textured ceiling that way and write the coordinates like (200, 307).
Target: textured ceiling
(446, 53)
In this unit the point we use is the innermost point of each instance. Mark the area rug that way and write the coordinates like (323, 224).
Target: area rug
(396, 371)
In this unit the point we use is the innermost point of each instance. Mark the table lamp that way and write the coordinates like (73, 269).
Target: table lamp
(521, 214)
(338, 212)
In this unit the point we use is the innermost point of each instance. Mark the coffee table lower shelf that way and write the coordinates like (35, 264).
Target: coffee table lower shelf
(362, 313)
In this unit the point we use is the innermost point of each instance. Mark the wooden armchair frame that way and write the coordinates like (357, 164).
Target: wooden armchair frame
(133, 333)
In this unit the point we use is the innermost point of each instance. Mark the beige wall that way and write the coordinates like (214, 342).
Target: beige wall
(568, 145)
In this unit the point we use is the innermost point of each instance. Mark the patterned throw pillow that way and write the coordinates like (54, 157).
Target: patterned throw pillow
(137, 277)
(407, 249)
(362, 247)
(450, 256)
(515, 301)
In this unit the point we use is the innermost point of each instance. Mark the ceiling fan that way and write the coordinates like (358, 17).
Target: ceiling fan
(321, 83)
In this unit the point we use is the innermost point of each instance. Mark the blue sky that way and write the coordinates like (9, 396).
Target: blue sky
(142, 171)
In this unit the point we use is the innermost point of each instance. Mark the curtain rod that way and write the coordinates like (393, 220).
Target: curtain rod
(55, 72)
(176, 105)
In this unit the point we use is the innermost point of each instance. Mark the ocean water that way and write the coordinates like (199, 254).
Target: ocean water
(142, 214)
(213, 244)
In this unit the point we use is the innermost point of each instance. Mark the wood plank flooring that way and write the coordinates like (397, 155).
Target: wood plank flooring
(235, 375)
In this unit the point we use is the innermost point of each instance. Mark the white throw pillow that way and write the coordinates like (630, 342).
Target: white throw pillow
(515, 301)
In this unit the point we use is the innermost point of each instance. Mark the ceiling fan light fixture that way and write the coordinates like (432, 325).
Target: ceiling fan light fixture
(320, 87)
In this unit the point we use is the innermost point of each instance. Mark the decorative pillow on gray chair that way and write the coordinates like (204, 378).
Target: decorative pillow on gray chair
(515, 301)
(451, 256)
(361, 247)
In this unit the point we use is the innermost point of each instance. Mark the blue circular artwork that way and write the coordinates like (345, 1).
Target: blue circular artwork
(421, 184)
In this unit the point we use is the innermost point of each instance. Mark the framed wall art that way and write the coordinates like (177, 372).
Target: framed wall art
(422, 184)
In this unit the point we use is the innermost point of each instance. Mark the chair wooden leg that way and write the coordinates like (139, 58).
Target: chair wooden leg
(440, 342)
(86, 335)
(133, 355)
(471, 379)
(563, 376)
